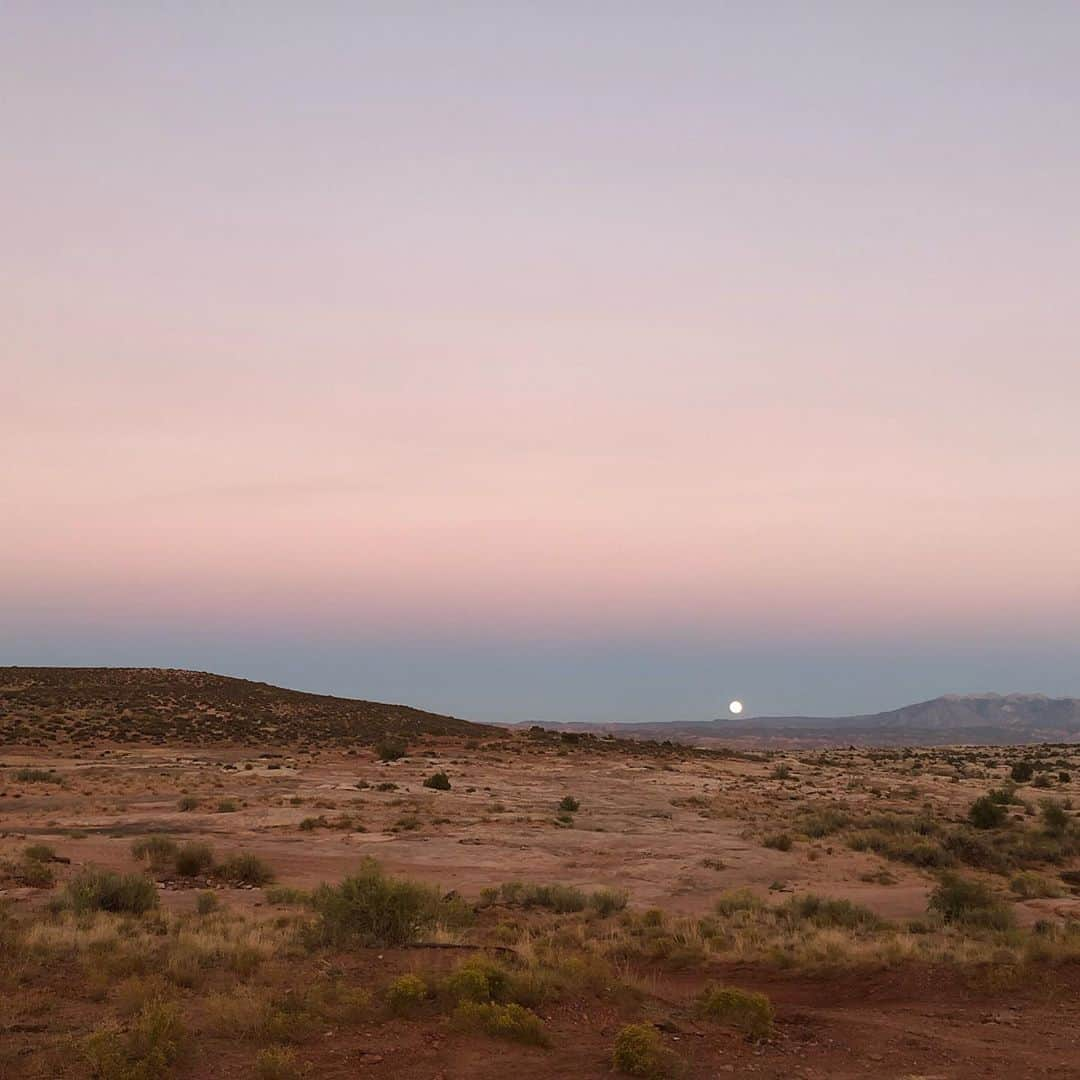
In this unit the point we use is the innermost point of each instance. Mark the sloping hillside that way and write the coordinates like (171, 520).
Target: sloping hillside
(39, 706)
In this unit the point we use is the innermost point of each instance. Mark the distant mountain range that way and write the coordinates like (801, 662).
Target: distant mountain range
(953, 718)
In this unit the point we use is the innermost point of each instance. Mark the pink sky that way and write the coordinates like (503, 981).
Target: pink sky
(720, 325)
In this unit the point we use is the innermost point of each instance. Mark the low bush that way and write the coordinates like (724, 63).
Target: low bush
(390, 749)
(607, 901)
(1030, 886)
(188, 803)
(730, 903)
(974, 847)
(823, 821)
(569, 805)
(145, 1051)
(405, 994)
(158, 851)
(562, 899)
(639, 1051)
(30, 873)
(986, 813)
(910, 848)
(36, 776)
(438, 781)
(206, 902)
(1055, 817)
(513, 1022)
(244, 869)
(39, 853)
(826, 913)
(744, 1010)
(277, 1063)
(193, 858)
(968, 902)
(373, 909)
(778, 841)
(104, 890)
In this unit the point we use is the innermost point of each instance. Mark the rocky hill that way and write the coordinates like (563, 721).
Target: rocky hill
(41, 706)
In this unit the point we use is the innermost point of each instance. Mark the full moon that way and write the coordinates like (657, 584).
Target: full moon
(735, 707)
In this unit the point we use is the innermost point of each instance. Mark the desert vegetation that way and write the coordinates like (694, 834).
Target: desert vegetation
(565, 903)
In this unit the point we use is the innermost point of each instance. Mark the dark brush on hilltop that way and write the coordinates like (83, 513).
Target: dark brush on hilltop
(41, 706)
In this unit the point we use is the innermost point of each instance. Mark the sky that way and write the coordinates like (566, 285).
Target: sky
(545, 362)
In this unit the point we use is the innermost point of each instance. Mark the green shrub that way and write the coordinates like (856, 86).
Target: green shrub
(39, 853)
(974, 849)
(607, 901)
(1022, 772)
(569, 805)
(778, 841)
(985, 813)
(511, 1021)
(639, 1051)
(227, 806)
(188, 803)
(373, 909)
(744, 1010)
(910, 848)
(391, 749)
(244, 869)
(738, 900)
(439, 781)
(145, 1051)
(206, 902)
(277, 1063)
(822, 822)
(36, 776)
(1055, 817)
(158, 851)
(405, 994)
(1030, 886)
(31, 873)
(193, 859)
(562, 899)
(478, 979)
(826, 913)
(104, 890)
(965, 901)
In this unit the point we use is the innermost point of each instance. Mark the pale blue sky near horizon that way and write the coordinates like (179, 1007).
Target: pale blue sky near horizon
(593, 681)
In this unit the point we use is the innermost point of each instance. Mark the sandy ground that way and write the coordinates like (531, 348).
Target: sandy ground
(676, 832)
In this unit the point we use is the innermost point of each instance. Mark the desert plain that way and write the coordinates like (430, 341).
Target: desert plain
(528, 903)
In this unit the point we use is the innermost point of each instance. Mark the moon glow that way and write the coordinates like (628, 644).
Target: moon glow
(735, 707)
